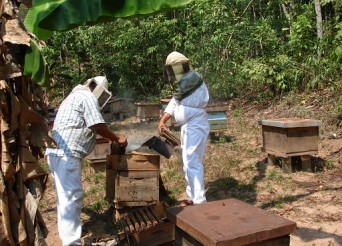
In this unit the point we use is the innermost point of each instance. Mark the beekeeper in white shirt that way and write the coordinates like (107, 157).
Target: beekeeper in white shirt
(187, 108)
(77, 122)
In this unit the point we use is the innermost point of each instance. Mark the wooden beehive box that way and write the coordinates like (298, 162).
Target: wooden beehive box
(146, 110)
(286, 137)
(132, 179)
(229, 222)
(118, 108)
(217, 116)
(98, 157)
(148, 226)
(217, 120)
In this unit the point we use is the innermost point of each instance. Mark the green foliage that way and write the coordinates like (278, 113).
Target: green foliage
(35, 64)
(242, 48)
(338, 110)
(47, 16)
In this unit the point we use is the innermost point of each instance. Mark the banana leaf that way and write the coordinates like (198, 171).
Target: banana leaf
(36, 65)
(46, 16)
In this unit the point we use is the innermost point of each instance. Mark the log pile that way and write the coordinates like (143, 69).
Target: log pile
(24, 136)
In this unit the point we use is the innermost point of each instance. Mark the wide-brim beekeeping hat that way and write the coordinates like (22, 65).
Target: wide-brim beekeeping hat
(176, 65)
(99, 87)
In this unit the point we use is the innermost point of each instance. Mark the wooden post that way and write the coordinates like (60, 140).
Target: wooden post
(271, 159)
(306, 162)
(286, 164)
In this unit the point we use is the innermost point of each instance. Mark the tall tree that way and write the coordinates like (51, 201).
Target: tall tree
(319, 26)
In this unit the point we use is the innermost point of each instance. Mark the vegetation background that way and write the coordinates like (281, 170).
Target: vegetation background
(265, 59)
(259, 50)
(278, 58)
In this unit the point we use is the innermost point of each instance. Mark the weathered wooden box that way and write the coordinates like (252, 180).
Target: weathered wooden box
(217, 120)
(217, 116)
(286, 137)
(132, 179)
(229, 222)
(147, 110)
(118, 108)
(98, 157)
(148, 226)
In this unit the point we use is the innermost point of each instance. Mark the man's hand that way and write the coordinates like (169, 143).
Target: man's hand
(162, 122)
(105, 132)
(122, 141)
(161, 127)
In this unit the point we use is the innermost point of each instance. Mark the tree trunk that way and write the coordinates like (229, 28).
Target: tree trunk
(319, 27)
(287, 15)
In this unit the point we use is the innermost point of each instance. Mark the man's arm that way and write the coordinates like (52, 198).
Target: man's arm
(162, 122)
(103, 130)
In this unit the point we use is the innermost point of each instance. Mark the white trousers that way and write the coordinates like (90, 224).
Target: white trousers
(66, 172)
(194, 140)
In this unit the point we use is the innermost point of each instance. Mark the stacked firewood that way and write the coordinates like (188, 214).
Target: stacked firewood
(24, 137)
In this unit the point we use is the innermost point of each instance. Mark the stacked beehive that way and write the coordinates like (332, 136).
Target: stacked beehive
(132, 179)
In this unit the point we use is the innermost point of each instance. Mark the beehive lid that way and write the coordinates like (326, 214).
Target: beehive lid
(217, 116)
(229, 222)
(289, 122)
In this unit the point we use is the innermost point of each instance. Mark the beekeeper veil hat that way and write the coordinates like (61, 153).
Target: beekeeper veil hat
(176, 65)
(99, 87)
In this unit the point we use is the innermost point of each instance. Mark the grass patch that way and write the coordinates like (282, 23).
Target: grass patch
(275, 175)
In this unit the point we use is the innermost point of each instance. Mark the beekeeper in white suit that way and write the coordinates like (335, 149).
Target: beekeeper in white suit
(187, 107)
(77, 122)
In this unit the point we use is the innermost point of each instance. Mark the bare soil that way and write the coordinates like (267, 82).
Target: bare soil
(236, 167)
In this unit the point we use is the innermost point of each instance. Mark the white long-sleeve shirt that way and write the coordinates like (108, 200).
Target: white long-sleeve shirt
(190, 109)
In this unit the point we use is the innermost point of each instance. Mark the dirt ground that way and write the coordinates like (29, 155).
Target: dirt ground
(311, 199)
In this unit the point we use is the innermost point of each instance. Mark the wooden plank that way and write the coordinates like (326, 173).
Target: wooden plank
(100, 151)
(136, 161)
(137, 186)
(274, 140)
(156, 235)
(290, 122)
(110, 184)
(136, 194)
(306, 162)
(126, 204)
(271, 159)
(229, 222)
(285, 155)
(138, 178)
(281, 241)
(301, 139)
(286, 164)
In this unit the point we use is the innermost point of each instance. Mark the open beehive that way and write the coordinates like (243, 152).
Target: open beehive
(132, 179)
(148, 226)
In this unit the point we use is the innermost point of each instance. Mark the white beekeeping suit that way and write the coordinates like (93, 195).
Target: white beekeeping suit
(187, 107)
